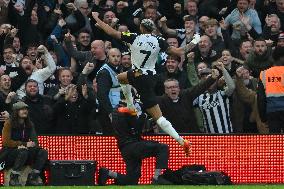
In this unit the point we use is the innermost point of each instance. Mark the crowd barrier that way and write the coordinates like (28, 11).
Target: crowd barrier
(245, 158)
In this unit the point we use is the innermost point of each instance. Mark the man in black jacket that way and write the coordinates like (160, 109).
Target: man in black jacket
(128, 130)
(40, 109)
(177, 105)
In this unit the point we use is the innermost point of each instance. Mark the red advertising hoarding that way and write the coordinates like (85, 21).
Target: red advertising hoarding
(245, 158)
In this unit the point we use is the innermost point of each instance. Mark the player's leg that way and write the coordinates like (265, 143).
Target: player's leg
(120, 179)
(134, 153)
(157, 150)
(167, 127)
(145, 86)
(104, 175)
(126, 89)
(133, 173)
(162, 157)
(163, 123)
(131, 155)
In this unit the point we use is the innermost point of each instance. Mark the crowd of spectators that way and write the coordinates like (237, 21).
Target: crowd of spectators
(63, 66)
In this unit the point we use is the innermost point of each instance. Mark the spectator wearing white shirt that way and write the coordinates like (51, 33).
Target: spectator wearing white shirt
(39, 75)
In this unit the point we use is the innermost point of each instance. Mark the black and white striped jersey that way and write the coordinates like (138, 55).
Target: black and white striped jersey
(215, 109)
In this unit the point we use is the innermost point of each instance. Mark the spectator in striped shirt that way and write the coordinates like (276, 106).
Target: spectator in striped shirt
(214, 104)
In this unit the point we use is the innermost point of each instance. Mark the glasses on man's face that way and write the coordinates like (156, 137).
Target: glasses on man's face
(172, 87)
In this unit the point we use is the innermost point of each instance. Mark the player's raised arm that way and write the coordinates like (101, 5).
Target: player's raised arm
(183, 50)
(107, 29)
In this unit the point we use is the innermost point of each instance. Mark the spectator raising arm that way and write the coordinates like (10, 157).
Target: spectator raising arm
(105, 27)
(185, 49)
(191, 71)
(44, 73)
(77, 55)
(168, 31)
(228, 79)
(171, 50)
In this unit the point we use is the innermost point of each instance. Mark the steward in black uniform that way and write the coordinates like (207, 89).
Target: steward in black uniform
(133, 148)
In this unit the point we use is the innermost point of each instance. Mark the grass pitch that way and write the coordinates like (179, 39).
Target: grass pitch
(159, 187)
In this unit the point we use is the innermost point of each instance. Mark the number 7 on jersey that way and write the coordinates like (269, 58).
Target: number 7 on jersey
(147, 53)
